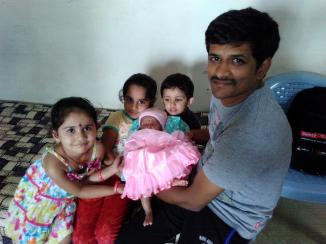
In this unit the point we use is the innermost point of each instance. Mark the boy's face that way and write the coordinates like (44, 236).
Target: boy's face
(233, 73)
(175, 101)
(149, 122)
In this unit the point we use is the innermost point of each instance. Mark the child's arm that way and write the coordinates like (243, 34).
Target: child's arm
(109, 138)
(56, 171)
(108, 171)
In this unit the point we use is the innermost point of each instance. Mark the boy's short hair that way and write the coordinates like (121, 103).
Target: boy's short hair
(249, 25)
(181, 81)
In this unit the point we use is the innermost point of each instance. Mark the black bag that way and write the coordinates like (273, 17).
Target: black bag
(307, 117)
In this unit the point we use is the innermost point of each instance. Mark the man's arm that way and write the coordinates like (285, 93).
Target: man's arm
(199, 135)
(195, 197)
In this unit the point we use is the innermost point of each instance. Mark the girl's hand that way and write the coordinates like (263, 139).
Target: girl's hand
(119, 187)
(117, 164)
(109, 158)
(108, 171)
(91, 171)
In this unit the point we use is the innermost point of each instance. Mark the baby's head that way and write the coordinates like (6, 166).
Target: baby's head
(177, 91)
(152, 118)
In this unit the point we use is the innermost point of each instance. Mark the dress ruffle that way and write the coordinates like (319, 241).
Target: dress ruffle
(153, 159)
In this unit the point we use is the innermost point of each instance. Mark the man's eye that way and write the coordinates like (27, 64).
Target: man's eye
(238, 61)
(213, 58)
(179, 100)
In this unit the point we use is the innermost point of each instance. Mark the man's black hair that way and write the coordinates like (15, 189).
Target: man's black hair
(249, 25)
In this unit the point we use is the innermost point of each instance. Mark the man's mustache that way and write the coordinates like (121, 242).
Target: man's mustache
(223, 80)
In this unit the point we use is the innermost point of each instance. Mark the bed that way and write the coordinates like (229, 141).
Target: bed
(24, 134)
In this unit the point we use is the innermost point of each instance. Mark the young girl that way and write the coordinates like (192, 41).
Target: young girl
(156, 160)
(99, 220)
(43, 207)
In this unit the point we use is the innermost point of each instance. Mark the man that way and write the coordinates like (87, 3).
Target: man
(240, 175)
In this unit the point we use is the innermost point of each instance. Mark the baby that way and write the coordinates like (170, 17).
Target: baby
(156, 160)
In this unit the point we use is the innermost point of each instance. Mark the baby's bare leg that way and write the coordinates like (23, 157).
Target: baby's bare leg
(146, 203)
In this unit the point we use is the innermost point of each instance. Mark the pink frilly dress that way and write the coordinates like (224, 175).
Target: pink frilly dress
(153, 159)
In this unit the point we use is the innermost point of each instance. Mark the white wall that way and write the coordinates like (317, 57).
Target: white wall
(55, 48)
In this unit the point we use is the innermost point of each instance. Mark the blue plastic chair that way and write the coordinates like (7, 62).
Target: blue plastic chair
(298, 185)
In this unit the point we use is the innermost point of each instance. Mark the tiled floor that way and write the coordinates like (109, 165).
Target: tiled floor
(295, 222)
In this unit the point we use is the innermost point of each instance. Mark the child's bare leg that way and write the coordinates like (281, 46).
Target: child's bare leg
(146, 203)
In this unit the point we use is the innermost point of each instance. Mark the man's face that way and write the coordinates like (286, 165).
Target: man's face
(233, 73)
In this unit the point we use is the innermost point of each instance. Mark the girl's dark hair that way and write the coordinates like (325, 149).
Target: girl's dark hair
(181, 81)
(64, 106)
(142, 80)
(249, 25)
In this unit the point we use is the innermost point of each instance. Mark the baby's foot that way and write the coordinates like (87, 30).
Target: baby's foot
(148, 219)
(177, 182)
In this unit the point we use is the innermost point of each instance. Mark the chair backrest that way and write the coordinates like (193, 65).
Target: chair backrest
(286, 85)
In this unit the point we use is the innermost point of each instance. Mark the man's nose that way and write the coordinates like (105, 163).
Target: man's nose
(222, 70)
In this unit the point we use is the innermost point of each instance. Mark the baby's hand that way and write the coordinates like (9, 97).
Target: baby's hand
(177, 182)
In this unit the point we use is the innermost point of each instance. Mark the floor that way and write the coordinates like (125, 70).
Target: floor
(295, 222)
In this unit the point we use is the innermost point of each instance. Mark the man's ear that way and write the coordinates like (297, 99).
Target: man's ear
(55, 136)
(263, 68)
(190, 101)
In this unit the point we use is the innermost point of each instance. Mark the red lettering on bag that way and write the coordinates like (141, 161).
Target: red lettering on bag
(313, 135)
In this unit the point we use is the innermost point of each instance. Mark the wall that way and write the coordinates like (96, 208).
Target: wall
(51, 49)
